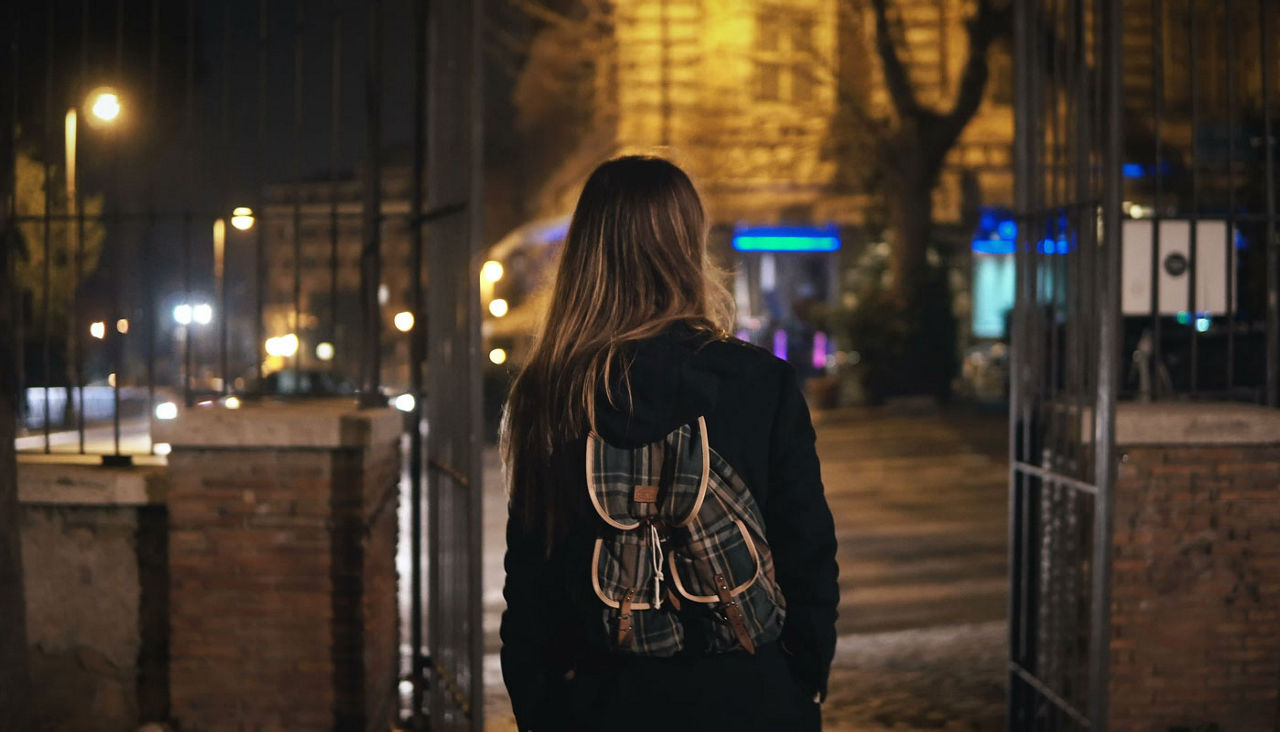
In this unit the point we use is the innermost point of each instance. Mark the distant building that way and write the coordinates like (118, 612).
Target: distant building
(750, 96)
(310, 223)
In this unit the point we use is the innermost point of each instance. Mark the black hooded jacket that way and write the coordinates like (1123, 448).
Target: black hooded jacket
(559, 675)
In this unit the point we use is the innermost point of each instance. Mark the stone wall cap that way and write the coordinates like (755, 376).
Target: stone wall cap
(317, 424)
(1195, 423)
(75, 483)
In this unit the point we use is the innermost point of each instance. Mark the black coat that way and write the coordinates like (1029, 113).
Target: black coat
(558, 673)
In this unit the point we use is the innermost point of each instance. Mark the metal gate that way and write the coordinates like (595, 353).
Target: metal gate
(453, 397)
(219, 201)
(1063, 392)
(1147, 270)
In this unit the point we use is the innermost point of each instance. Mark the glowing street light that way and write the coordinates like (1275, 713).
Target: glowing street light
(403, 321)
(242, 218)
(202, 313)
(405, 402)
(498, 356)
(166, 410)
(122, 326)
(182, 314)
(491, 271)
(498, 307)
(98, 330)
(324, 351)
(282, 346)
(105, 105)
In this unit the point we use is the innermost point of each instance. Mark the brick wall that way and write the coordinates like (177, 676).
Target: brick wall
(283, 582)
(1196, 589)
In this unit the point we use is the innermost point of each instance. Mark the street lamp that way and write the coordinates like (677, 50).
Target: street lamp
(498, 307)
(104, 107)
(282, 346)
(242, 218)
(491, 271)
(403, 321)
(202, 313)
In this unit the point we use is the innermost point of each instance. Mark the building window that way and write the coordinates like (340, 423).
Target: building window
(785, 57)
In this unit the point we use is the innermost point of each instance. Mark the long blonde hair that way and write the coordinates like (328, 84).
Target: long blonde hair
(634, 262)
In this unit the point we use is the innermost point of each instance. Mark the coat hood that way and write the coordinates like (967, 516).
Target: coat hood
(674, 380)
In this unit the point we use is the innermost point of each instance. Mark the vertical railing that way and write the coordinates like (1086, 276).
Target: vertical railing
(1147, 269)
(455, 489)
(1065, 354)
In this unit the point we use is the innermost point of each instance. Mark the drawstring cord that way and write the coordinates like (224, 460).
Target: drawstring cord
(656, 556)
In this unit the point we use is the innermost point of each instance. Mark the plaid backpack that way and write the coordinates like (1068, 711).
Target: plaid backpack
(681, 559)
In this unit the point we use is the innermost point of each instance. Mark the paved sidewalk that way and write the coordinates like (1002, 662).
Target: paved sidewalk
(920, 503)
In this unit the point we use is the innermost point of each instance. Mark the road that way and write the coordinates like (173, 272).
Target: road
(919, 499)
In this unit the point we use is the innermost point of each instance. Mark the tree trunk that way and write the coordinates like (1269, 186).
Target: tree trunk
(13, 635)
(909, 205)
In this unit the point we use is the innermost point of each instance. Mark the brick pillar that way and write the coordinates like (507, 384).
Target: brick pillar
(1195, 624)
(282, 530)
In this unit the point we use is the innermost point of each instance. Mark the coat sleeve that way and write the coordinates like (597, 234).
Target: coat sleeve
(526, 627)
(802, 539)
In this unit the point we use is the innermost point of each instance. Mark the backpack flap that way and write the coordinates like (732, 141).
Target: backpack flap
(626, 486)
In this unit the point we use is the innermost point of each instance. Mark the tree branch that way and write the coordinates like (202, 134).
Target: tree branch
(895, 74)
(984, 27)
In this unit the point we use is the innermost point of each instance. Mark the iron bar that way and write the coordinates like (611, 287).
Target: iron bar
(1022, 150)
(148, 264)
(1272, 386)
(417, 352)
(371, 252)
(260, 227)
(187, 331)
(1193, 218)
(224, 315)
(186, 328)
(1157, 94)
(1056, 478)
(1230, 250)
(335, 125)
(1109, 337)
(473, 98)
(75, 357)
(48, 238)
(1031, 680)
(8, 168)
(295, 168)
(116, 351)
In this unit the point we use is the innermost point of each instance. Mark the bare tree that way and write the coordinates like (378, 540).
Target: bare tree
(909, 146)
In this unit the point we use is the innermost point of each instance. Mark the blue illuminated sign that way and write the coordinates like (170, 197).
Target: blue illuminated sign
(997, 232)
(786, 239)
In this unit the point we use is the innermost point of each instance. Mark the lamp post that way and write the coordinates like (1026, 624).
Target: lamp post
(219, 259)
(104, 108)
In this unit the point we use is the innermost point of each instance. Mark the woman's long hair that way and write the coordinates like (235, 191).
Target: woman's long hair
(634, 262)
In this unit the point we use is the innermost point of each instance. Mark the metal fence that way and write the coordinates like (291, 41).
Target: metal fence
(1147, 270)
(215, 202)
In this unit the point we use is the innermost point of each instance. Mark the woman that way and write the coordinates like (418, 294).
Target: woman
(634, 347)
